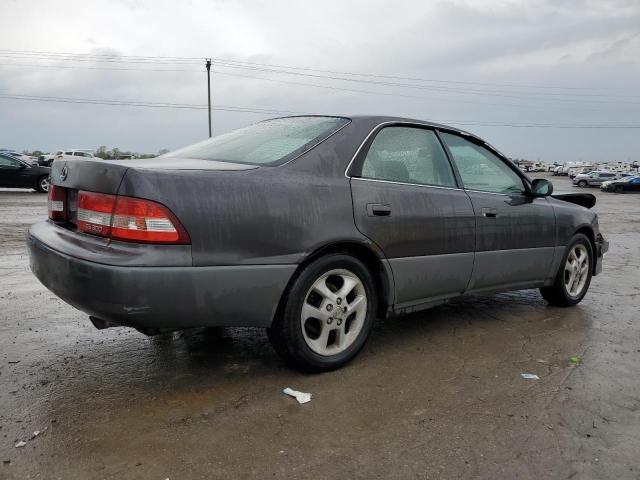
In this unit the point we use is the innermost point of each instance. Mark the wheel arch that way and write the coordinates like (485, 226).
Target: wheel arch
(381, 273)
(587, 231)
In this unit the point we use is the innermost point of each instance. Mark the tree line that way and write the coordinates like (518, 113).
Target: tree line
(106, 153)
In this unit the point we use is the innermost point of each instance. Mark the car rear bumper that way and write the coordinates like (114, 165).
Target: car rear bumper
(162, 297)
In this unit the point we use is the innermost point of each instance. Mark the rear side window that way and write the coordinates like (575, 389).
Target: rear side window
(267, 143)
(480, 169)
(68, 153)
(9, 162)
(408, 155)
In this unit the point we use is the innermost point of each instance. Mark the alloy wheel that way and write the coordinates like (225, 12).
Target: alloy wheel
(44, 184)
(576, 270)
(333, 312)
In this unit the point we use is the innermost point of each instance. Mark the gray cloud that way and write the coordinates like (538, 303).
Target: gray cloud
(566, 43)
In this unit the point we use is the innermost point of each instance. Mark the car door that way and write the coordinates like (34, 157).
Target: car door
(605, 177)
(633, 185)
(12, 172)
(407, 200)
(515, 232)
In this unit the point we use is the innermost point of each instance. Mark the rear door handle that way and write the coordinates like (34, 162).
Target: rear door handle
(489, 212)
(378, 210)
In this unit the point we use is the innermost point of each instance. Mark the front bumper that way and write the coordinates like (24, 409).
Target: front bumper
(163, 297)
(602, 247)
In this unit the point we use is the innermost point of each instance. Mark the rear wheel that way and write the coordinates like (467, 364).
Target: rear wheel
(582, 183)
(327, 316)
(573, 279)
(42, 185)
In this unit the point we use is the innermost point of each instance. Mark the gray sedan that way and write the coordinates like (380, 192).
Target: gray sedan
(311, 227)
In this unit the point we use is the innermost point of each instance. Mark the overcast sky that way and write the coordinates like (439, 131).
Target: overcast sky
(481, 63)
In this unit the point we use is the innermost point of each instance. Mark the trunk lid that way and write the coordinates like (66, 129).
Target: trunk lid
(105, 176)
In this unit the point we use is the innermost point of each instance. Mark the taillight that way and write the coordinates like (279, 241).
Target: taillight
(56, 203)
(129, 219)
(95, 212)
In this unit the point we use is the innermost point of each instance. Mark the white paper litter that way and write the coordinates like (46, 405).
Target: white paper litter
(21, 444)
(530, 376)
(302, 397)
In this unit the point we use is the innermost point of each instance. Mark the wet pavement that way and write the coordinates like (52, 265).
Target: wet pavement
(433, 395)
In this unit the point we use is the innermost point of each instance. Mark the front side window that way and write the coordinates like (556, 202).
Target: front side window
(408, 155)
(481, 169)
(270, 142)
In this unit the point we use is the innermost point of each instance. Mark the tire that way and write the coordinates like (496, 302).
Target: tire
(619, 189)
(42, 184)
(564, 293)
(582, 183)
(335, 335)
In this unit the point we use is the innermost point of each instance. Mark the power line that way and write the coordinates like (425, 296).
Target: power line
(313, 85)
(555, 96)
(195, 60)
(140, 103)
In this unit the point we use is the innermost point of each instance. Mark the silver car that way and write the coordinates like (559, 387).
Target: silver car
(594, 179)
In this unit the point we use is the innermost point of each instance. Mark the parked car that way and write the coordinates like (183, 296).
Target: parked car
(594, 179)
(74, 154)
(624, 184)
(47, 159)
(16, 173)
(575, 171)
(312, 227)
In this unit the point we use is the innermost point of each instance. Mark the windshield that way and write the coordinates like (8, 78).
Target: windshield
(271, 142)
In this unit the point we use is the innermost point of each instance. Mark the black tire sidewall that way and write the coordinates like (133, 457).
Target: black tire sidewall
(297, 296)
(582, 184)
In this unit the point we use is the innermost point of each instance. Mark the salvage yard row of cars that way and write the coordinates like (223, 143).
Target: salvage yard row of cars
(311, 227)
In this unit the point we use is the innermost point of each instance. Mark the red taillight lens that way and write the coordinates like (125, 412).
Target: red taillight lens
(56, 203)
(95, 212)
(129, 219)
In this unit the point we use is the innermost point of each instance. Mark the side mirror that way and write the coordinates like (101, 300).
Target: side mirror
(541, 187)
(22, 166)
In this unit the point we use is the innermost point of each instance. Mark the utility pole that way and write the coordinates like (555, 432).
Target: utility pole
(208, 65)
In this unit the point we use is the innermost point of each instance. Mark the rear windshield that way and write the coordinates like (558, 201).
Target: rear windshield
(271, 142)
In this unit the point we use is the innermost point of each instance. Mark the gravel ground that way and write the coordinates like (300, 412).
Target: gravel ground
(433, 395)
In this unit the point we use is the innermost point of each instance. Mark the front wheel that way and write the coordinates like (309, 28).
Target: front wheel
(42, 185)
(328, 314)
(573, 279)
(582, 183)
(619, 189)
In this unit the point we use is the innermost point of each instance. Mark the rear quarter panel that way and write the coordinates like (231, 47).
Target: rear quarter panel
(270, 215)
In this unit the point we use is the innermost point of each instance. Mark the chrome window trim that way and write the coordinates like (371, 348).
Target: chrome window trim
(411, 124)
(364, 179)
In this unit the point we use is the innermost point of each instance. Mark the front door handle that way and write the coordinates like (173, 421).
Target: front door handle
(378, 210)
(489, 212)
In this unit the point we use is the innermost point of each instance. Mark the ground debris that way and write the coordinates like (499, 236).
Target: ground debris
(301, 397)
(530, 376)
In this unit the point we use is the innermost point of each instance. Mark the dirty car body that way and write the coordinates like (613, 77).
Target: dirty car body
(249, 225)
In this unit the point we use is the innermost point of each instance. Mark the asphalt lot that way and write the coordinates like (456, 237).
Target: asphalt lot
(433, 395)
